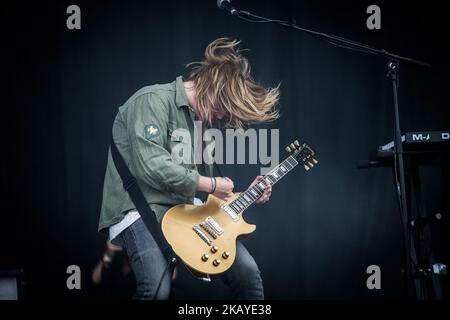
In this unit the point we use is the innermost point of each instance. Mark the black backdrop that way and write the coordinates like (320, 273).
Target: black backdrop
(316, 237)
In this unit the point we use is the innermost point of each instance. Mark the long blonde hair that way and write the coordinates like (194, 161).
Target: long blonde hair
(224, 85)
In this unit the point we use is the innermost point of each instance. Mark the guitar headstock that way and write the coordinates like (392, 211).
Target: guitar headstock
(303, 153)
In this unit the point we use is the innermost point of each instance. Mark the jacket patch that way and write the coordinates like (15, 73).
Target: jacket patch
(151, 131)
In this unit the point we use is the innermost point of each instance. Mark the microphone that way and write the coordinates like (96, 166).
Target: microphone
(420, 222)
(227, 6)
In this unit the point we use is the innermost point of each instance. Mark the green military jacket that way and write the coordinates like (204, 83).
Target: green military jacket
(143, 132)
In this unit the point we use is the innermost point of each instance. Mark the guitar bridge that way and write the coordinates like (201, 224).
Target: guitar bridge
(202, 235)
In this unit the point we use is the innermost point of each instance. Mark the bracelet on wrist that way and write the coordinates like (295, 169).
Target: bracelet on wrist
(213, 184)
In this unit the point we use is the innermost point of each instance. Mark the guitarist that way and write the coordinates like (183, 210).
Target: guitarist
(219, 88)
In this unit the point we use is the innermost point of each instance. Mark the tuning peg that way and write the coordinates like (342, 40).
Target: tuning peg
(310, 164)
(315, 161)
(292, 146)
(306, 167)
(288, 149)
(297, 144)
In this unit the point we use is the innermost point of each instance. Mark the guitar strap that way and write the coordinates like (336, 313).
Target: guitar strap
(147, 215)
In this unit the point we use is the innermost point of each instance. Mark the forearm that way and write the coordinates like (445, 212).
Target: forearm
(97, 273)
(222, 188)
(154, 165)
(204, 184)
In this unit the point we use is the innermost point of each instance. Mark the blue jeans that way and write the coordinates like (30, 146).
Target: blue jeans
(149, 264)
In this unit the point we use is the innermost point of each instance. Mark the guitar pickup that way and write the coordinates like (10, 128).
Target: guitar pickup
(212, 227)
(233, 215)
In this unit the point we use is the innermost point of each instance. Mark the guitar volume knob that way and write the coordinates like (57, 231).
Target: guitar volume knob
(205, 257)
(216, 262)
(225, 255)
(214, 249)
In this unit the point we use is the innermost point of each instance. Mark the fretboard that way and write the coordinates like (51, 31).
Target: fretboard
(249, 196)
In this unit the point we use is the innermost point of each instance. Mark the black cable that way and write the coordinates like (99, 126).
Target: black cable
(162, 277)
(218, 169)
(398, 197)
(218, 125)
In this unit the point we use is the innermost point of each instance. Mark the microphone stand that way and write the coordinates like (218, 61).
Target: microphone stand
(393, 63)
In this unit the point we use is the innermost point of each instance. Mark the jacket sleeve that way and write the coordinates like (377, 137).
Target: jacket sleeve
(152, 163)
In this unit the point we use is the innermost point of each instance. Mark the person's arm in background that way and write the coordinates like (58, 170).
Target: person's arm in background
(108, 256)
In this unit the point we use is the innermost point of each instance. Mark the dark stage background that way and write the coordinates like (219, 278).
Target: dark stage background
(321, 229)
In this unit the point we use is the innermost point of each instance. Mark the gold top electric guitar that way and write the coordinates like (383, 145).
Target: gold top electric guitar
(204, 237)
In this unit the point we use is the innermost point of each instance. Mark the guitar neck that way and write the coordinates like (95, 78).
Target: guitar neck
(249, 196)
